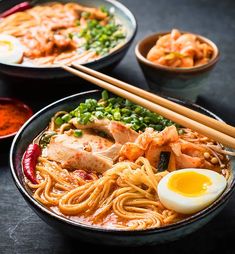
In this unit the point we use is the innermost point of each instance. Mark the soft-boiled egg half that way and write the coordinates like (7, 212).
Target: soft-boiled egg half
(190, 190)
(11, 51)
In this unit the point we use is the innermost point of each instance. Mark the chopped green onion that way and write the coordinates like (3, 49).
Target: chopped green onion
(117, 116)
(45, 138)
(99, 114)
(100, 37)
(66, 117)
(104, 9)
(109, 116)
(158, 127)
(118, 109)
(147, 119)
(135, 126)
(99, 108)
(78, 133)
(126, 111)
(105, 95)
(127, 119)
(59, 121)
(128, 103)
(84, 119)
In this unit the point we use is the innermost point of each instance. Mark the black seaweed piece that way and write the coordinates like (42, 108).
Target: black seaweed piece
(164, 161)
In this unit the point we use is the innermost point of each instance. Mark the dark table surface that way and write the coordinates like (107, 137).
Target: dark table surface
(21, 231)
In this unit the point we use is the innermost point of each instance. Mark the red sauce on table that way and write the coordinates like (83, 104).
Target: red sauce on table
(12, 117)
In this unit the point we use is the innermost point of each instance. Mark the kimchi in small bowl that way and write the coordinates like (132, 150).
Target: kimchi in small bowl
(174, 73)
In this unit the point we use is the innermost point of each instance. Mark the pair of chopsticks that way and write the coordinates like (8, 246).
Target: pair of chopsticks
(184, 116)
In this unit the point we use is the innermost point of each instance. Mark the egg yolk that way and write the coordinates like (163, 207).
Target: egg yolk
(189, 183)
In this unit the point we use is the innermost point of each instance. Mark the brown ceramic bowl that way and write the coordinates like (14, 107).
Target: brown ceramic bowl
(184, 83)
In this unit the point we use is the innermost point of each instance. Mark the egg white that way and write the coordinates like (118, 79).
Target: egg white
(13, 54)
(188, 205)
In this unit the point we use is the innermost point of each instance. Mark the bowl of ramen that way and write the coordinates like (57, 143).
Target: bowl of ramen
(104, 170)
(177, 63)
(35, 39)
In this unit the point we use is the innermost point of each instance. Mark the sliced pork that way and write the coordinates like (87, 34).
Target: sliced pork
(118, 131)
(74, 159)
(91, 151)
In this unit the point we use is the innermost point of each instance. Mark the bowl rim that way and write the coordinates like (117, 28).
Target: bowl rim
(127, 13)
(180, 224)
(194, 69)
(15, 101)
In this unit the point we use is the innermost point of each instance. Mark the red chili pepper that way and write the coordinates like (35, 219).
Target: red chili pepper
(30, 160)
(19, 7)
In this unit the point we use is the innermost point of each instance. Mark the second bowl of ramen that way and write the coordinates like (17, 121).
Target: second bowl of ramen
(96, 172)
(37, 40)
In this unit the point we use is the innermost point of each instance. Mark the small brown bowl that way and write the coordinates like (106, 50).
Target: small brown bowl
(183, 83)
(20, 105)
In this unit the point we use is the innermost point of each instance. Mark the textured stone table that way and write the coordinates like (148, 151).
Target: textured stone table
(21, 231)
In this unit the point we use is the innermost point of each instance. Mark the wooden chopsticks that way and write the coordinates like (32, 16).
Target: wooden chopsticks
(173, 111)
(213, 123)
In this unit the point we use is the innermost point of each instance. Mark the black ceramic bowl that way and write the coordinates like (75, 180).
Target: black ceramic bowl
(120, 11)
(92, 233)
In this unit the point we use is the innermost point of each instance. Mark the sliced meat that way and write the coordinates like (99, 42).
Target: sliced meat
(71, 152)
(60, 153)
(88, 161)
(89, 138)
(118, 131)
(71, 158)
(100, 125)
(122, 133)
(112, 152)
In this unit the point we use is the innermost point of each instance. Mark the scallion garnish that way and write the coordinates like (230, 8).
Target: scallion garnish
(119, 109)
